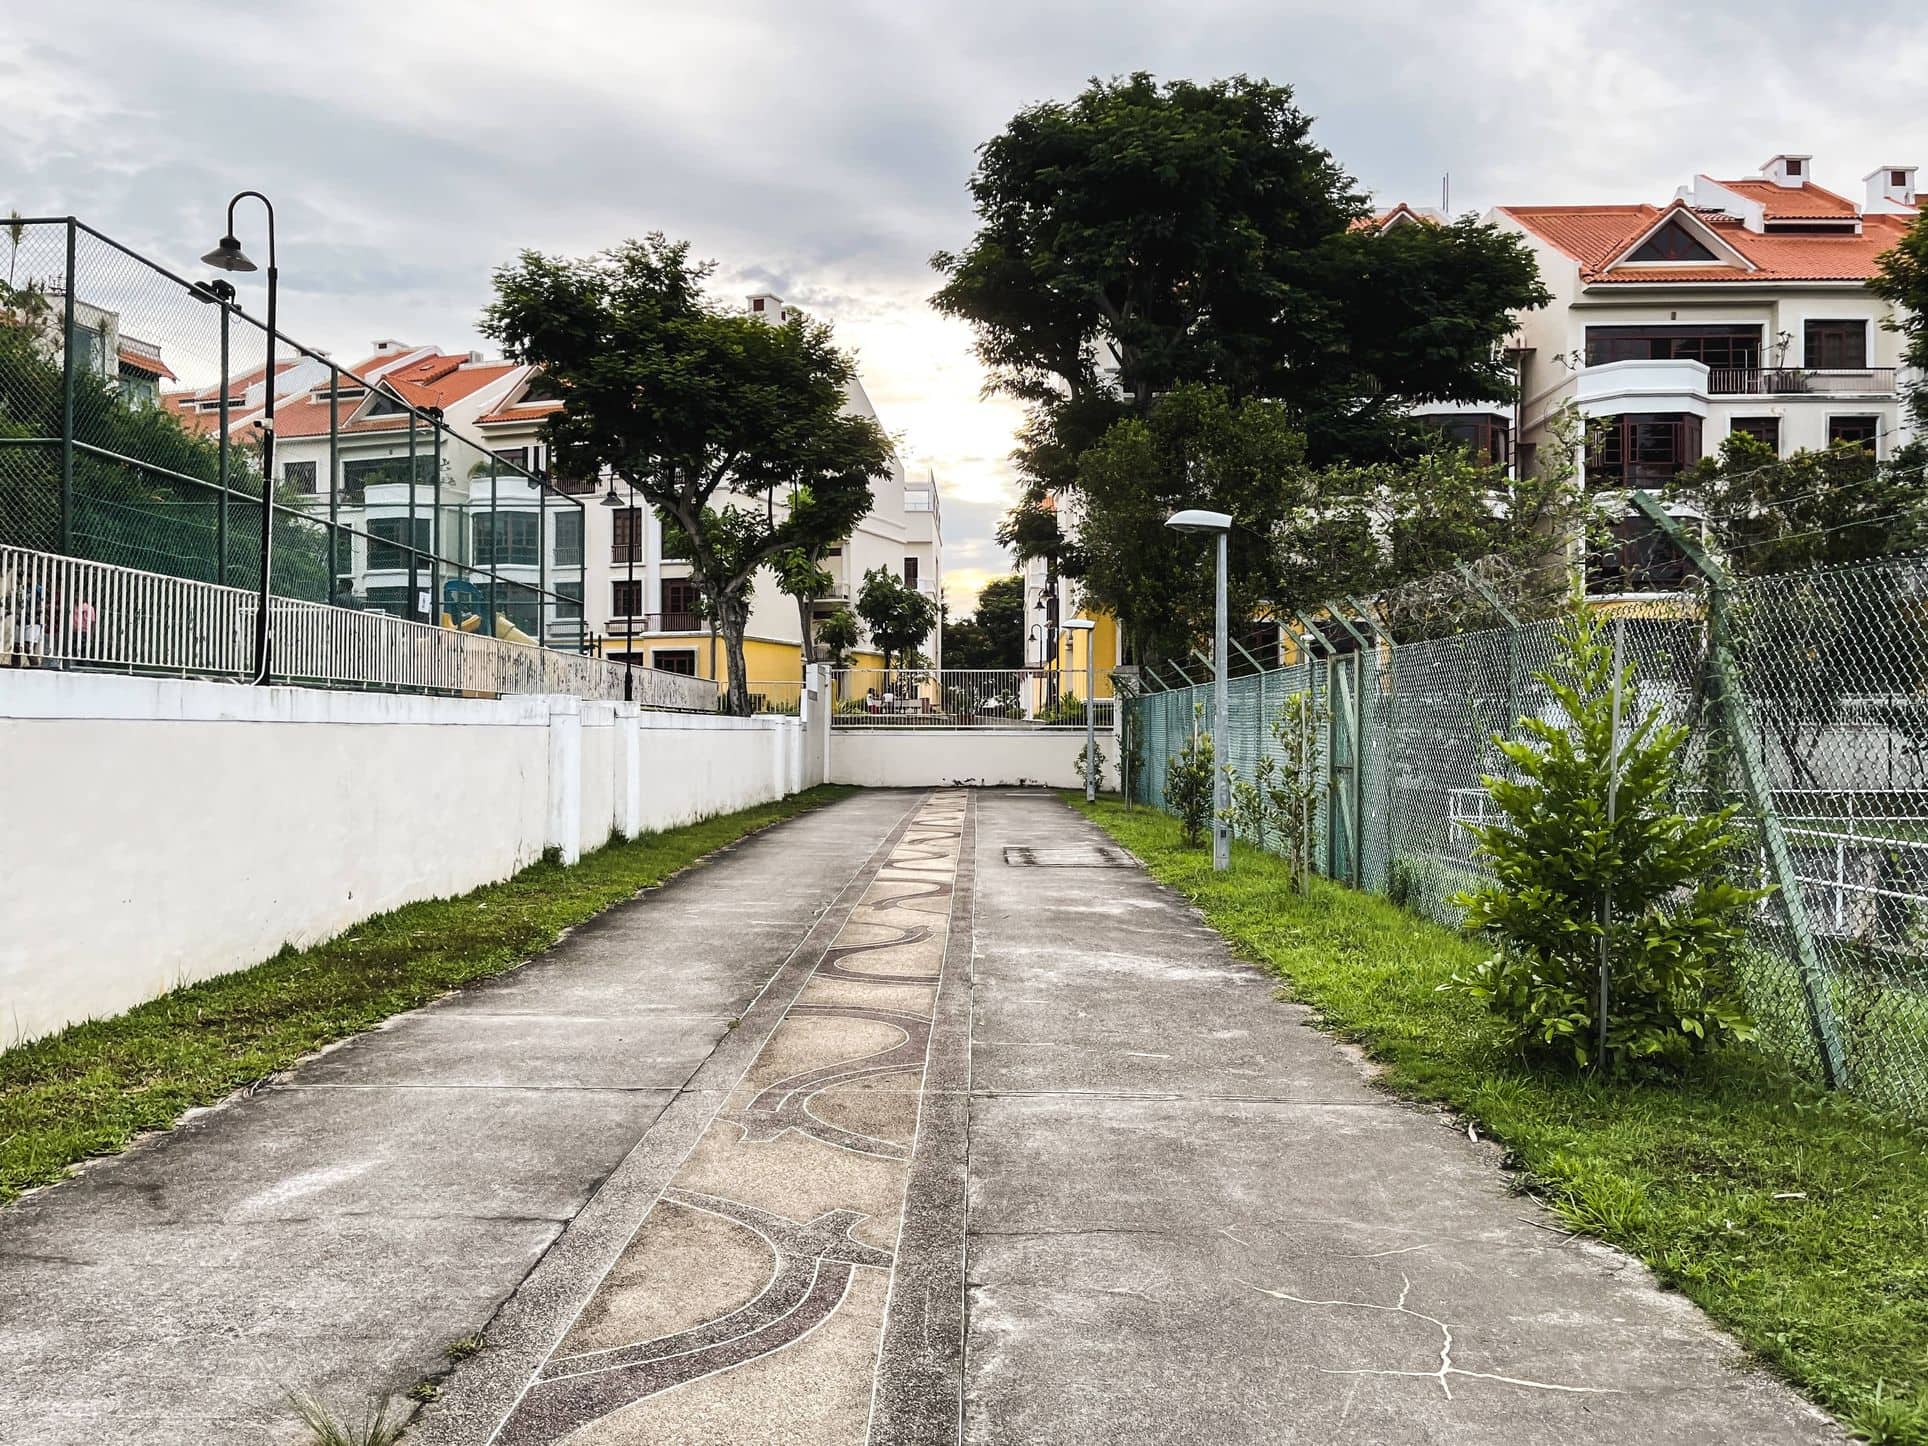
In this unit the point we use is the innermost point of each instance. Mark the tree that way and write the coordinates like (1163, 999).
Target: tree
(992, 636)
(898, 617)
(1903, 281)
(1599, 884)
(1196, 448)
(1771, 514)
(838, 636)
(710, 415)
(1144, 236)
(802, 577)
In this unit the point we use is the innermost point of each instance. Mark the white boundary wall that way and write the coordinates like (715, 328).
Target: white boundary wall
(920, 756)
(154, 832)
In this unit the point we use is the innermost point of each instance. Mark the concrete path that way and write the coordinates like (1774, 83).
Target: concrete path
(339, 1229)
(1002, 1147)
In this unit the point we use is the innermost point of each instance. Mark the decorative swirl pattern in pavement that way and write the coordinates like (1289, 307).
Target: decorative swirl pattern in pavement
(803, 1191)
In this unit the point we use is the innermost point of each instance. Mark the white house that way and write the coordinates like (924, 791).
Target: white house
(1738, 306)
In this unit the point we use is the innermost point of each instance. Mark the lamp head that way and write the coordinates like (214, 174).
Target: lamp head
(228, 256)
(610, 499)
(1195, 519)
(1079, 625)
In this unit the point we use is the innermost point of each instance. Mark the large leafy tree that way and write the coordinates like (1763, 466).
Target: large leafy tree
(993, 635)
(713, 417)
(1302, 534)
(1903, 281)
(1145, 235)
(1196, 448)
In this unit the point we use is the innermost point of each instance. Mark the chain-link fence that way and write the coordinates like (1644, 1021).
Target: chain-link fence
(134, 405)
(1806, 702)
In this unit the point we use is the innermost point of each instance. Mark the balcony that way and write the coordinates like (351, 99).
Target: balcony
(1801, 382)
(684, 622)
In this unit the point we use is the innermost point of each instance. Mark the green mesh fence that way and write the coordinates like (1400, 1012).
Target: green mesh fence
(1833, 705)
(132, 405)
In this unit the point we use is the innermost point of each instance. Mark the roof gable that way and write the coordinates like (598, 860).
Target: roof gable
(1678, 237)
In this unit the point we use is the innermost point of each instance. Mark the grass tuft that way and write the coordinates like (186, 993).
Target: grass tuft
(376, 1427)
(1797, 1219)
(91, 1088)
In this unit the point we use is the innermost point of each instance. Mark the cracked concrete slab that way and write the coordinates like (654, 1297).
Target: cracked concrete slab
(336, 1230)
(1192, 1219)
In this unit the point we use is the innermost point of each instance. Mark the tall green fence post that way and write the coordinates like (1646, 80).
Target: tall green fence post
(1730, 699)
(70, 338)
(334, 485)
(221, 446)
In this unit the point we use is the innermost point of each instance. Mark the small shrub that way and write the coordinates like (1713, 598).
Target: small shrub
(1247, 805)
(1645, 888)
(1189, 777)
(1086, 767)
(1292, 790)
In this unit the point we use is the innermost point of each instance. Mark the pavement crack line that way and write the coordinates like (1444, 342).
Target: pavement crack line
(1446, 1366)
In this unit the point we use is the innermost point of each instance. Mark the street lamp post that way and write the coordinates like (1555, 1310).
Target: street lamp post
(1085, 628)
(1197, 520)
(228, 256)
(611, 500)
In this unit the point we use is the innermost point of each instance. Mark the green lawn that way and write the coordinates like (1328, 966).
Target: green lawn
(91, 1088)
(1798, 1220)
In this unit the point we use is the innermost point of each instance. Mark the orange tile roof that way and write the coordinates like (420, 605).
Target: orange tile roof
(1804, 202)
(524, 411)
(434, 381)
(1595, 235)
(153, 366)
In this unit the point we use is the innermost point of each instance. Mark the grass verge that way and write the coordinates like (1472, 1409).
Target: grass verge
(1798, 1220)
(91, 1088)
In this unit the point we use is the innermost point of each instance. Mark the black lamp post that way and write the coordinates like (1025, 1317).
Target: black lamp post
(611, 500)
(228, 256)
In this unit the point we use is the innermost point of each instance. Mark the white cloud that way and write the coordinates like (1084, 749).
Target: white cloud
(823, 148)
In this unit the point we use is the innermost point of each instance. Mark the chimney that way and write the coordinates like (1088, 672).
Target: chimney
(1891, 190)
(768, 306)
(1789, 171)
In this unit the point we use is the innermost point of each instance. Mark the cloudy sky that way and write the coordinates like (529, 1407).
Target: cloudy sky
(820, 148)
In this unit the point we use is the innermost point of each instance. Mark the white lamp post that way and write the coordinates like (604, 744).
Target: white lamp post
(1084, 627)
(1196, 520)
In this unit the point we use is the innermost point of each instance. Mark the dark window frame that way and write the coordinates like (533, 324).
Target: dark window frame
(1766, 430)
(300, 477)
(1642, 449)
(674, 660)
(1855, 428)
(626, 590)
(1735, 345)
(1834, 344)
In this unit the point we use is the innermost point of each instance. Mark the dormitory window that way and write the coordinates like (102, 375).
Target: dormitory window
(300, 477)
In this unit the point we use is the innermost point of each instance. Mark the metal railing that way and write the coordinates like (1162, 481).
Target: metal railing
(1807, 706)
(1801, 381)
(964, 698)
(65, 612)
(376, 503)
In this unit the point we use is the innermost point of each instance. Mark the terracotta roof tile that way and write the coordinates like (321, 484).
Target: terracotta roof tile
(1806, 201)
(1595, 235)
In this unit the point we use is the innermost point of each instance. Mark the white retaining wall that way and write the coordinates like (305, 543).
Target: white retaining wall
(925, 757)
(154, 832)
